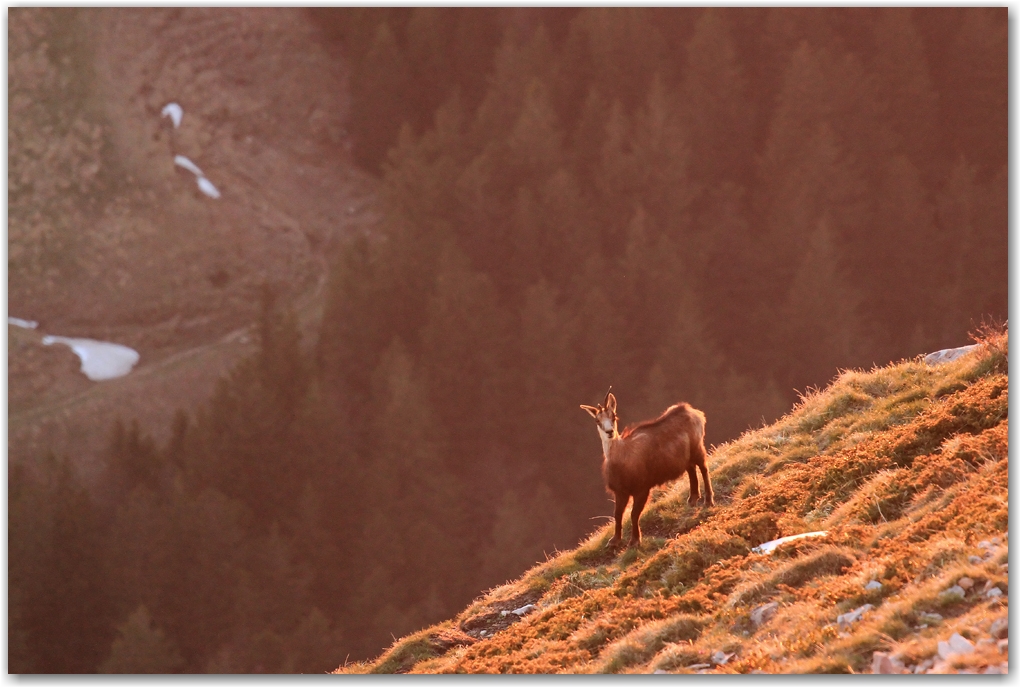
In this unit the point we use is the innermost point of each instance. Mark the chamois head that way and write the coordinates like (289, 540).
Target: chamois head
(605, 416)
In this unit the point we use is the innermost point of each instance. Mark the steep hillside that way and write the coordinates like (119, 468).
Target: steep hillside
(108, 239)
(905, 470)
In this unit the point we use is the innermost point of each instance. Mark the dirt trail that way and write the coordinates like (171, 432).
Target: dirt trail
(149, 261)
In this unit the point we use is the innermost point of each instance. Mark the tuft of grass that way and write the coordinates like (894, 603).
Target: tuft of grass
(905, 467)
(643, 643)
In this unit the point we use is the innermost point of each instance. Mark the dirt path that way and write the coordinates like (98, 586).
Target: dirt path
(157, 265)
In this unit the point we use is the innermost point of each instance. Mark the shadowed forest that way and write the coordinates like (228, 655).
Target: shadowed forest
(721, 206)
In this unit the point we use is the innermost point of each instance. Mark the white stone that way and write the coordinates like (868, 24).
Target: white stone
(523, 610)
(993, 592)
(770, 546)
(884, 664)
(846, 619)
(948, 354)
(874, 584)
(957, 644)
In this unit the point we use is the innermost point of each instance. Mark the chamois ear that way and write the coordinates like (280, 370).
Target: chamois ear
(591, 411)
(611, 403)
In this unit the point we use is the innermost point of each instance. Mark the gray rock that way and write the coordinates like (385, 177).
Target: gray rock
(954, 593)
(1000, 628)
(847, 619)
(956, 645)
(931, 617)
(993, 592)
(948, 354)
(974, 560)
(874, 584)
(763, 614)
(884, 664)
(721, 658)
(523, 610)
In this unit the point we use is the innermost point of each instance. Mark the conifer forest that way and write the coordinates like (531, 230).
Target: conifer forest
(725, 206)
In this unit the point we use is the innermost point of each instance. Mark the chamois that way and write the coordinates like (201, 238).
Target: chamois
(648, 454)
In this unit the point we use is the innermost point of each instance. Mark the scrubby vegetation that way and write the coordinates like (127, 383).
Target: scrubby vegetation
(907, 474)
(565, 199)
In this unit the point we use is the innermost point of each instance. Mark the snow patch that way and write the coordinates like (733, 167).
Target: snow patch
(100, 360)
(26, 324)
(175, 112)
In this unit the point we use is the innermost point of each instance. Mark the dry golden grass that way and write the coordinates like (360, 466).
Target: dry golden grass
(905, 466)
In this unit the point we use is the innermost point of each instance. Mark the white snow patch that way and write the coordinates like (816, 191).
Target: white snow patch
(18, 322)
(175, 112)
(99, 359)
(770, 546)
(206, 187)
(187, 164)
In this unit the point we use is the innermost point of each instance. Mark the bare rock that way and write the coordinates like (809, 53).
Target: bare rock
(993, 592)
(1000, 628)
(954, 593)
(847, 619)
(965, 582)
(763, 614)
(874, 584)
(956, 645)
(885, 664)
(721, 658)
(948, 354)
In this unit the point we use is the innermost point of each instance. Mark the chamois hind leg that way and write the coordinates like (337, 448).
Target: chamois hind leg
(709, 500)
(698, 458)
(692, 475)
(640, 499)
(621, 504)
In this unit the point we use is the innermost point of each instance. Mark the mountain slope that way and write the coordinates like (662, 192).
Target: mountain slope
(906, 469)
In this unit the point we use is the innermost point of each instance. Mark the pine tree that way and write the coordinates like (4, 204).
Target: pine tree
(142, 648)
(380, 91)
(823, 331)
(718, 116)
(903, 81)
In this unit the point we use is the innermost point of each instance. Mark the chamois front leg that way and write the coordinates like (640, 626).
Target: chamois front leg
(692, 475)
(621, 504)
(635, 515)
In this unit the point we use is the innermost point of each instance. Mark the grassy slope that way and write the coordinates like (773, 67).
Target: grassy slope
(906, 466)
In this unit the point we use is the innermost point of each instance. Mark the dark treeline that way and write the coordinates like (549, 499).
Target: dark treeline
(718, 206)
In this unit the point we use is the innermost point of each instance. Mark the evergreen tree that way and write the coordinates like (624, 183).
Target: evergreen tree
(823, 331)
(380, 95)
(67, 607)
(716, 111)
(142, 648)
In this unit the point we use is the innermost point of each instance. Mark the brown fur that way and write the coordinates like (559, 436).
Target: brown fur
(651, 453)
